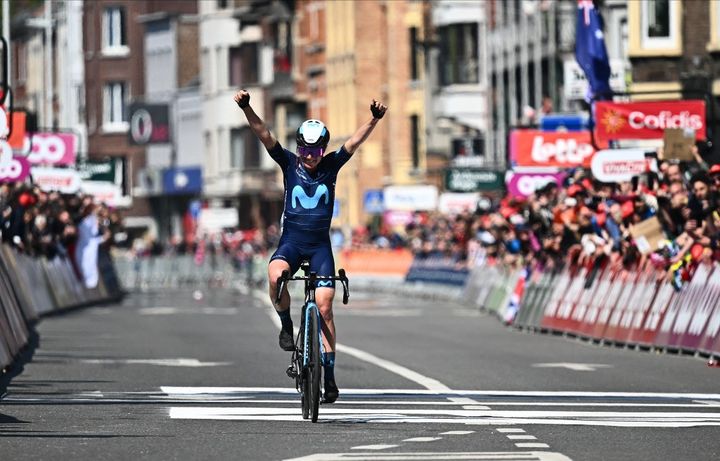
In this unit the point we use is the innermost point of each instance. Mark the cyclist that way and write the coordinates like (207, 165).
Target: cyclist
(309, 179)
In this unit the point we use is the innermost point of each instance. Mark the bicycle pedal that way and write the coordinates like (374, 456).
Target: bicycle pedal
(291, 372)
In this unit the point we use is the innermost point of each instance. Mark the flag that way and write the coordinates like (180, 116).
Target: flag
(590, 51)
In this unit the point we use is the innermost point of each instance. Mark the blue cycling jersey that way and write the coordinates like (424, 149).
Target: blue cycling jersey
(309, 197)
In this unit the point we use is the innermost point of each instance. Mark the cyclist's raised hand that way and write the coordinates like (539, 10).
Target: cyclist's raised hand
(242, 98)
(378, 109)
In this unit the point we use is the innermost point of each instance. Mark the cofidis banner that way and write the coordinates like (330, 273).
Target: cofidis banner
(647, 120)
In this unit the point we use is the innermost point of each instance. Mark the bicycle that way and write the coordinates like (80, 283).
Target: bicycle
(306, 363)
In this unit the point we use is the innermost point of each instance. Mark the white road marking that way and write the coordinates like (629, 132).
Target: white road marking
(476, 407)
(179, 390)
(422, 439)
(424, 381)
(509, 430)
(521, 437)
(437, 456)
(188, 310)
(179, 362)
(573, 366)
(380, 313)
(373, 447)
(532, 445)
(457, 432)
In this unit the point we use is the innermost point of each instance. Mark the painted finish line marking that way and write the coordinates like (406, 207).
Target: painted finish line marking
(251, 408)
(440, 456)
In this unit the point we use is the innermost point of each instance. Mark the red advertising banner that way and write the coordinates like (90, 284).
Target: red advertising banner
(647, 120)
(551, 149)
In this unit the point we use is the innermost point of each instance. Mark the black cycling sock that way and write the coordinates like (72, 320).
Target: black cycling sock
(329, 367)
(285, 319)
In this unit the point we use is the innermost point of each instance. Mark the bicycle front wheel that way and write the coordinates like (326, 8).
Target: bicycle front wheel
(314, 365)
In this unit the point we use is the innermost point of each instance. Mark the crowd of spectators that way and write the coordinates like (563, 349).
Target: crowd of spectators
(41, 223)
(583, 220)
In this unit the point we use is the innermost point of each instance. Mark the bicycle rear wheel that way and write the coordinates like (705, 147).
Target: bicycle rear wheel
(304, 377)
(314, 366)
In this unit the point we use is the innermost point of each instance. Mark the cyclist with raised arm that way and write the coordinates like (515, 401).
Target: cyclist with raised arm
(309, 179)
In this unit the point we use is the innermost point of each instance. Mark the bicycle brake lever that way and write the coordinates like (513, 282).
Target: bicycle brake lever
(346, 286)
(280, 285)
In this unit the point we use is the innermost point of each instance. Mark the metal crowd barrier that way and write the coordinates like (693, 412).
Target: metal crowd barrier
(33, 287)
(637, 308)
(184, 271)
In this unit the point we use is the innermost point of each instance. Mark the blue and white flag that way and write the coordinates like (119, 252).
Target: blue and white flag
(590, 51)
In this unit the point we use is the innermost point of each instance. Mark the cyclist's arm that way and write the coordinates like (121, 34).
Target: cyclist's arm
(254, 121)
(259, 128)
(378, 111)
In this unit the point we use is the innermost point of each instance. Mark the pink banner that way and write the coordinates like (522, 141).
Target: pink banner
(53, 149)
(522, 184)
(17, 169)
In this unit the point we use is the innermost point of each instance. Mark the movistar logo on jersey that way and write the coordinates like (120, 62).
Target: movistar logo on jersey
(298, 193)
(324, 283)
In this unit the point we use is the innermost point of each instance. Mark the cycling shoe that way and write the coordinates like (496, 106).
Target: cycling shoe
(331, 392)
(286, 341)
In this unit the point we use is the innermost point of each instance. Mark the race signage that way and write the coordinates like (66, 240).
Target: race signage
(12, 168)
(63, 180)
(472, 180)
(455, 203)
(551, 149)
(149, 124)
(410, 198)
(17, 136)
(618, 165)
(576, 84)
(52, 148)
(103, 192)
(107, 171)
(647, 120)
(525, 183)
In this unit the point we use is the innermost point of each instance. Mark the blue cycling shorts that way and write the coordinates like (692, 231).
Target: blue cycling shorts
(319, 255)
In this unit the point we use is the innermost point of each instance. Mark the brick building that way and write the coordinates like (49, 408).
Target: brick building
(674, 47)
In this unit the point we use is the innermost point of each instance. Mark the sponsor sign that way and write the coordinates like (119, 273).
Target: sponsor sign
(564, 122)
(216, 219)
(149, 124)
(107, 171)
(472, 180)
(410, 198)
(51, 148)
(551, 149)
(17, 137)
(456, 203)
(373, 201)
(576, 84)
(395, 219)
(103, 192)
(4, 127)
(525, 183)
(618, 165)
(178, 181)
(63, 180)
(12, 168)
(439, 270)
(647, 120)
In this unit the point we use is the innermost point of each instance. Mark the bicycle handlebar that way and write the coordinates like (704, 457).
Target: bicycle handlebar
(341, 277)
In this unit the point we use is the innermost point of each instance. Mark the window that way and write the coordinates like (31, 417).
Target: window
(115, 96)
(415, 140)
(658, 27)
(244, 65)
(244, 149)
(414, 72)
(459, 54)
(222, 4)
(114, 36)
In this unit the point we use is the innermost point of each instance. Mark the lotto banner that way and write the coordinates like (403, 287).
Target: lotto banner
(535, 148)
(647, 120)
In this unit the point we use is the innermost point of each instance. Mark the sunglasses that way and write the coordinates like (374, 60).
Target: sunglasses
(311, 151)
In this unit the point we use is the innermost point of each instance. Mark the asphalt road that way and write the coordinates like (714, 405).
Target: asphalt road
(165, 376)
